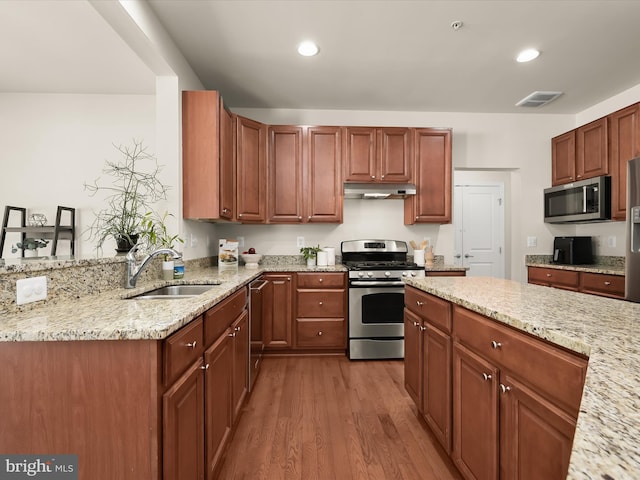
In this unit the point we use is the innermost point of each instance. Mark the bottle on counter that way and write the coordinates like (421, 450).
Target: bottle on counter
(429, 257)
(178, 269)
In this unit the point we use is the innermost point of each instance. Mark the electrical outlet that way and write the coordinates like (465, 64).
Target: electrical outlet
(300, 242)
(532, 241)
(193, 241)
(240, 241)
(611, 241)
(31, 290)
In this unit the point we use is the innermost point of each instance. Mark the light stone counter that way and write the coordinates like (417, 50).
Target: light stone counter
(111, 316)
(607, 440)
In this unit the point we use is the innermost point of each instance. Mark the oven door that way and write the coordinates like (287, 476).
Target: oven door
(376, 311)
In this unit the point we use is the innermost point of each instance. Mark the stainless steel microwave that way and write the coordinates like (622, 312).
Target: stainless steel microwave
(579, 202)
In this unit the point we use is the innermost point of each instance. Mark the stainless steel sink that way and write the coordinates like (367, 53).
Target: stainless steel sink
(174, 291)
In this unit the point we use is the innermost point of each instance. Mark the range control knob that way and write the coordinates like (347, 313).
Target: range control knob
(387, 274)
(370, 274)
(413, 274)
(360, 274)
(404, 274)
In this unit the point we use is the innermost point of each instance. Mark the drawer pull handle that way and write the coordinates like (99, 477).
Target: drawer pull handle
(495, 344)
(205, 367)
(486, 376)
(419, 303)
(192, 344)
(504, 388)
(320, 333)
(607, 283)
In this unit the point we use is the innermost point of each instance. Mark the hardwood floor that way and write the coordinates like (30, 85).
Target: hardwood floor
(328, 418)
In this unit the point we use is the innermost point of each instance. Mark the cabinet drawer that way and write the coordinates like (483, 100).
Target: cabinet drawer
(321, 280)
(433, 309)
(565, 279)
(321, 333)
(553, 372)
(602, 284)
(321, 303)
(218, 318)
(181, 349)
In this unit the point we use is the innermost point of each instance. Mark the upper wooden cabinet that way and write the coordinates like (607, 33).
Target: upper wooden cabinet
(373, 154)
(581, 153)
(208, 166)
(305, 174)
(624, 144)
(432, 167)
(251, 164)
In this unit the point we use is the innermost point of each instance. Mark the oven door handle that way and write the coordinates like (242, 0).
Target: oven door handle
(373, 283)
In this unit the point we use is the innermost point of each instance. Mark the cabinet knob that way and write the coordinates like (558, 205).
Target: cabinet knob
(419, 303)
(548, 274)
(373, 176)
(309, 217)
(578, 176)
(381, 176)
(239, 215)
(486, 376)
(320, 303)
(320, 280)
(205, 367)
(495, 344)
(504, 388)
(422, 329)
(232, 334)
(320, 333)
(237, 329)
(300, 217)
(192, 344)
(607, 283)
(416, 324)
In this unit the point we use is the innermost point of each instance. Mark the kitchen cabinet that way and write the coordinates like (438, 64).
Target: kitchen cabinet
(251, 170)
(321, 300)
(208, 163)
(514, 396)
(581, 153)
(377, 154)
(624, 138)
(432, 176)
(586, 282)
(239, 373)
(428, 357)
(278, 311)
(305, 181)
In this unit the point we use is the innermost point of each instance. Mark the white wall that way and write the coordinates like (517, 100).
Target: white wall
(50, 144)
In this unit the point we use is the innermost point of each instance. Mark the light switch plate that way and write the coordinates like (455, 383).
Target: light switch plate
(31, 290)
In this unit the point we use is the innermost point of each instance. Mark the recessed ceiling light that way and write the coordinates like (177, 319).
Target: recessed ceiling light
(308, 49)
(527, 55)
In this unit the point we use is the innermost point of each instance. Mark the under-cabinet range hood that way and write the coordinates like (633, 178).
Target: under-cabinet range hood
(376, 191)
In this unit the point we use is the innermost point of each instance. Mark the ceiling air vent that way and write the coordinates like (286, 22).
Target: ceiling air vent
(538, 99)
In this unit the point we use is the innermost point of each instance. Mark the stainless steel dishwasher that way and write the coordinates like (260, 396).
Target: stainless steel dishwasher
(256, 289)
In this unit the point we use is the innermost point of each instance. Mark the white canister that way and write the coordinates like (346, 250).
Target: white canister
(418, 257)
(321, 258)
(331, 255)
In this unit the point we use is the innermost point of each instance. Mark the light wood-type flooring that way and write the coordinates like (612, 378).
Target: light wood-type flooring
(329, 418)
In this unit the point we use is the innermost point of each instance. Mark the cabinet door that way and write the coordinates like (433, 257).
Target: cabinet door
(323, 175)
(475, 415)
(432, 175)
(536, 436)
(218, 408)
(413, 357)
(278, 311)
(436, 390)
(563, 158)
(240, 362)
(251, 170)
(592, 147)
(227, 165)
(285, 174)
(183, 427)
(394, 151)
(624, 141)
(360, 154)
(201, 146)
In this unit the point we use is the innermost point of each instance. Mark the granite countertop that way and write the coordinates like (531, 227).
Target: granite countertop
(605, 265)
(111, 316)
(607, 439)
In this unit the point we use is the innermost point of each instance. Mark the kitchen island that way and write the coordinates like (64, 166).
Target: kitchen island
(607, 438)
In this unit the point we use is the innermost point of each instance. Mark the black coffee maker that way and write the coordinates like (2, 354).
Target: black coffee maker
(573, 250)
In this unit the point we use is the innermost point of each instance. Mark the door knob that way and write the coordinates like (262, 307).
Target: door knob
(466, 255)
(457, 256)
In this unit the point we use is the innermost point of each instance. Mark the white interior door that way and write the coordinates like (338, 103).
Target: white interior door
(479, 229)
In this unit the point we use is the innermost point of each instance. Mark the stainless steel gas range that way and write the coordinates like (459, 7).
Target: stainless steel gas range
(376, 296)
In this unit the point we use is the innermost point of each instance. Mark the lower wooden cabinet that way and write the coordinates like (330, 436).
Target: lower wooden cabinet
(600, 284)
(497, 399)
(277, 322)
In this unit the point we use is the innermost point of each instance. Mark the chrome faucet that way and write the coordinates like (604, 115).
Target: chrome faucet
(134, 270)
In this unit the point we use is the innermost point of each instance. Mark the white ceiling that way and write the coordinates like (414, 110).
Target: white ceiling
(374, 54)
